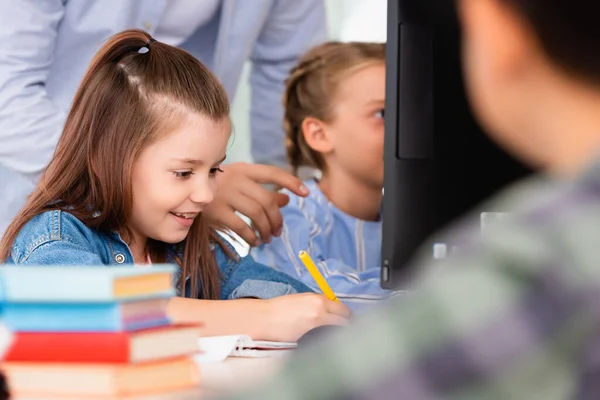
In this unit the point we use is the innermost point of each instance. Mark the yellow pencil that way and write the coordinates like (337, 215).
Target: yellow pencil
(314, 272)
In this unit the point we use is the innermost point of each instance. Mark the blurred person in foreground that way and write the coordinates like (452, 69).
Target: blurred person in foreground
(516, 315)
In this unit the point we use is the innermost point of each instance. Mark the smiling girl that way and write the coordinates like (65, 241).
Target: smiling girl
(132, 173)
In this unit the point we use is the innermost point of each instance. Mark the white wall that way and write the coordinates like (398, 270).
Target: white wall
(357, 20)
(348, 20)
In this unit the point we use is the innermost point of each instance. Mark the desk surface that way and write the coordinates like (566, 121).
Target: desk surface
(233, 374)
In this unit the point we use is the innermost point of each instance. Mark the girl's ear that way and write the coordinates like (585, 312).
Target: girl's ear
(316, 135)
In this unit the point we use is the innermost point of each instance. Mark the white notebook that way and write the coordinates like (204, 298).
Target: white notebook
(218, 348)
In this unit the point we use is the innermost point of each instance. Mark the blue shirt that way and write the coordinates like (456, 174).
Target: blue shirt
(346, 250)
(57, 237)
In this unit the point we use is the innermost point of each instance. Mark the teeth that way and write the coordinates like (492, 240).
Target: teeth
(186, 215)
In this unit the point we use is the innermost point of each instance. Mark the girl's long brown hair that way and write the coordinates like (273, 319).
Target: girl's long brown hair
(127, 98)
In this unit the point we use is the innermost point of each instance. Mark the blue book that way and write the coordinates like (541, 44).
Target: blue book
(60, 284)
(85, 317)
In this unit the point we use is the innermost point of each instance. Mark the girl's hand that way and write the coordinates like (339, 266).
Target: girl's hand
(289, 317)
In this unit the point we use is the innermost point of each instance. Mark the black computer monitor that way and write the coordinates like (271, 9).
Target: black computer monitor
(438, 162)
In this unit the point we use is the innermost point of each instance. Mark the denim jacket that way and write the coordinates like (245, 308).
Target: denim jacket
(57, 237)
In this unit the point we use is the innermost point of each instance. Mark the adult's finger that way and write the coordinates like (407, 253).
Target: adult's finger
(253, 209)
(228, 217)
(273, 175)
(269, 201)
(282, 199)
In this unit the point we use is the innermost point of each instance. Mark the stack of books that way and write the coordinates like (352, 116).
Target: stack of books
(94, 332)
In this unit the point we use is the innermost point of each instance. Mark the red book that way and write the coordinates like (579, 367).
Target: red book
(106, 347)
